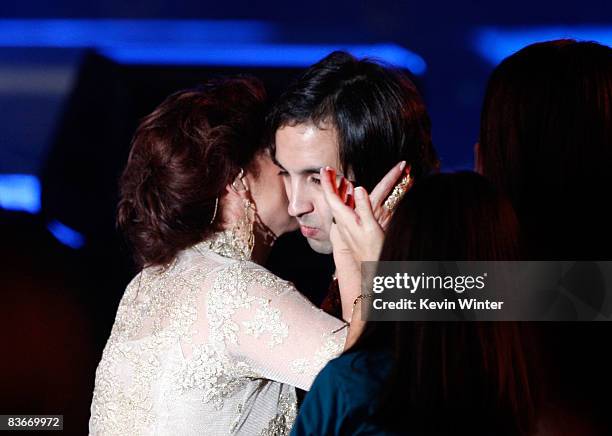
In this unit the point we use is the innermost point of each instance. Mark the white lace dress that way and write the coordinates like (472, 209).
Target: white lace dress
(214, 344)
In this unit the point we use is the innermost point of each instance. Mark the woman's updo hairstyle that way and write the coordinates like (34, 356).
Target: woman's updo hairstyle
(183, 156)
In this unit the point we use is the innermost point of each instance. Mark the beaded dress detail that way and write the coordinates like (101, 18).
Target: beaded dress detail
(211, 344)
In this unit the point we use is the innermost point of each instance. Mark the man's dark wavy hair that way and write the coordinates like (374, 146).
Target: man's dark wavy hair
(377, 111)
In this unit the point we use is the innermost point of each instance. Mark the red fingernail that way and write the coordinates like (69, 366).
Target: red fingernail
(350, 197)
(331, 176)
(350, 201)
(342, 190)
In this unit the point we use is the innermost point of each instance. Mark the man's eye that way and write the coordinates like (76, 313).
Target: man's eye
(283, 173)
(315, 180)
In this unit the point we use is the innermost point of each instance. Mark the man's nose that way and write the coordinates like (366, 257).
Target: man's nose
(299, 202)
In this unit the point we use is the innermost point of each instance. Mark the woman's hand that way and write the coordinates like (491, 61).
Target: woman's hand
(341, 250)
(362, 228)
(380, 193)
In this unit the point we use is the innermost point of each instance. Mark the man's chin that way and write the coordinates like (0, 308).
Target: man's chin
(322, 247)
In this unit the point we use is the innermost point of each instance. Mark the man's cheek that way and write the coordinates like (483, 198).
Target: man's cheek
(321, 214)
(287, 185)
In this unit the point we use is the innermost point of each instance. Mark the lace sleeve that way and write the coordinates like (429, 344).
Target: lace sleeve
(265, 322)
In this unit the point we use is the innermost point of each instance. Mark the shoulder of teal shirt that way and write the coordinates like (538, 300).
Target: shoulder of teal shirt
(340, 399)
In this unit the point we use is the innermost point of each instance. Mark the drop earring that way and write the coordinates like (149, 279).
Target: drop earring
(212, 220)
(243, 233)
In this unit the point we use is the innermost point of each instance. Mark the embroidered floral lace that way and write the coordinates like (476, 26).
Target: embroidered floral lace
(213, 344)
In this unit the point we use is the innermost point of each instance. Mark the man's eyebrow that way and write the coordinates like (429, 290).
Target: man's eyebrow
(311, 170)
(317, 171)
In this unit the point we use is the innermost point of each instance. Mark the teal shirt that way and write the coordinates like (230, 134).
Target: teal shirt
(341, 399)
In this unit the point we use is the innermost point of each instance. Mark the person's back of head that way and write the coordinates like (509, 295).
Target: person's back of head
(453, 377)
(546, 140)
(183, 156)
(376, 110)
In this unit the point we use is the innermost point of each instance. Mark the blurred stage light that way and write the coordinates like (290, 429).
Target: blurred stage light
(190, 42)
(81, 33)
(262, 55)
(20, 192)
(66, 235)
(495, 43)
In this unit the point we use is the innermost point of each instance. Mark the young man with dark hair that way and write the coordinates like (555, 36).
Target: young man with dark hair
(355, 115)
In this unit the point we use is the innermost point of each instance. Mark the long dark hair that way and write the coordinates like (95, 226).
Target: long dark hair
(377, 111)
(183, 156)
(463, 377)
(546, 141)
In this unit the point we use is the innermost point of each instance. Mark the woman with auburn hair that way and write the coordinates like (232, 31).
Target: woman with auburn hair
(205, 340)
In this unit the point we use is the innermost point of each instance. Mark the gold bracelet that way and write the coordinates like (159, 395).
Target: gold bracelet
(361, 297)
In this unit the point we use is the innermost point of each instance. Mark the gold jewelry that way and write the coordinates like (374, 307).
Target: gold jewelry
(360, 297)
(242, 234)
(243, 229)
(398, 193)
(236, 242)
(215, 212)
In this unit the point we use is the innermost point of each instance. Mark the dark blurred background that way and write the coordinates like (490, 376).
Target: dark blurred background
(76, 77)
